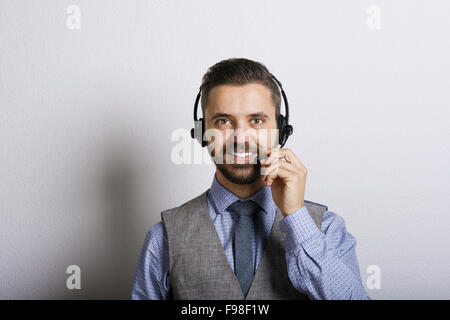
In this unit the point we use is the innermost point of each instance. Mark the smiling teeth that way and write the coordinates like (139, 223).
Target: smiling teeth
(242, 154)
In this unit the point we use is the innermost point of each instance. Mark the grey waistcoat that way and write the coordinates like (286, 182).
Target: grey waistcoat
(199, 268)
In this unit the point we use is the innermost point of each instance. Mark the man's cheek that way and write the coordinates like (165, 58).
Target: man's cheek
(215, 144)
(267, 140)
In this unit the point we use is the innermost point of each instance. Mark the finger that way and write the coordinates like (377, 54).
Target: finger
(270, 156)
(275, 164)
(287, 154)
(291, 157)
(283, 172)
(273, 157)
(272, 171)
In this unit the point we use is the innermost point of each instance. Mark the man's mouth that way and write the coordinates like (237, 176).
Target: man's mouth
(242, 157)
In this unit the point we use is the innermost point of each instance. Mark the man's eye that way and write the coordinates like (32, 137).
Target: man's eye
(222, 121)
(257, 121)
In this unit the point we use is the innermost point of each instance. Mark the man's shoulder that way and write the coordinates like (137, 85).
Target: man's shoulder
(155, 237)
(186, 206)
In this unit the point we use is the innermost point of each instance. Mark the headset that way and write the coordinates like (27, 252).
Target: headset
(284, 128)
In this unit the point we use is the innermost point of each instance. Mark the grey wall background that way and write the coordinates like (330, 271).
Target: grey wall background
(87, 116)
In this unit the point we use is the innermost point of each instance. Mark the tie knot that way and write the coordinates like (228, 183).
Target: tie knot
(243, 208)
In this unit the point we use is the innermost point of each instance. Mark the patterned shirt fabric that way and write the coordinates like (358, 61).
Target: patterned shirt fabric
(320, 263)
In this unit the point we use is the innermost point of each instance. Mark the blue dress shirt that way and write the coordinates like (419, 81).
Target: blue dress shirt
(321, 264)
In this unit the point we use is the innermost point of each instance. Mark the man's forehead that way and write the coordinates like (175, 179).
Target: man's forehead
(250, 91)
(244, 100)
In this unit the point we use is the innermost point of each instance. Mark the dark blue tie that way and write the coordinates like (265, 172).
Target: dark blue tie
(242, 212)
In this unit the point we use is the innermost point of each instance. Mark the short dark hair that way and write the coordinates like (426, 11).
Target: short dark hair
(239, 71)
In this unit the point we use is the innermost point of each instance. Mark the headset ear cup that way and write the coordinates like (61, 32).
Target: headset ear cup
(203, 143)
(198, 130)
(281, 130)
(289, 130)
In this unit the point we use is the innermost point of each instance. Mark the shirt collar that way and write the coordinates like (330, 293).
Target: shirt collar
(222, 197)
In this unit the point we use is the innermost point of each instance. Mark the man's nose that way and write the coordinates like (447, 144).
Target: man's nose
(243, 133)
(240, 136)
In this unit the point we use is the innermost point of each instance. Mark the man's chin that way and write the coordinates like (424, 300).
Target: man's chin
(240, 173)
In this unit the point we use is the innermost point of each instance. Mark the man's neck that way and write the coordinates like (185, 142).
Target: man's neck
(243, 191)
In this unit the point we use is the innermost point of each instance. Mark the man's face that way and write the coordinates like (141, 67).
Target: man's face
(242, 120)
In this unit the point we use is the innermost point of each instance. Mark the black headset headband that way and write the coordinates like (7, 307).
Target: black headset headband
(285, 129)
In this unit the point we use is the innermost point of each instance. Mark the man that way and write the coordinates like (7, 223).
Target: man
(252, 235)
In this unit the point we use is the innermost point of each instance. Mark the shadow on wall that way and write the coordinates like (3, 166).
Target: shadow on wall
(111, 264)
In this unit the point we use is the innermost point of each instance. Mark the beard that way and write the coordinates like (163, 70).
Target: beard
(240, 173)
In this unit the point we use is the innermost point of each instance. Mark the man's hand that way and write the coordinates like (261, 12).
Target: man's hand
(286, 175)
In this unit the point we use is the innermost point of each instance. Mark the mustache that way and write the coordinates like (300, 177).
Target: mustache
(260, 152)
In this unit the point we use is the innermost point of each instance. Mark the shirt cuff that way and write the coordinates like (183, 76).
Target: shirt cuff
(298, 227)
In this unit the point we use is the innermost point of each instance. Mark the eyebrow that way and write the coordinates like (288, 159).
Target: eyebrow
(259, 114)
(220, 115)
(224, 115)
